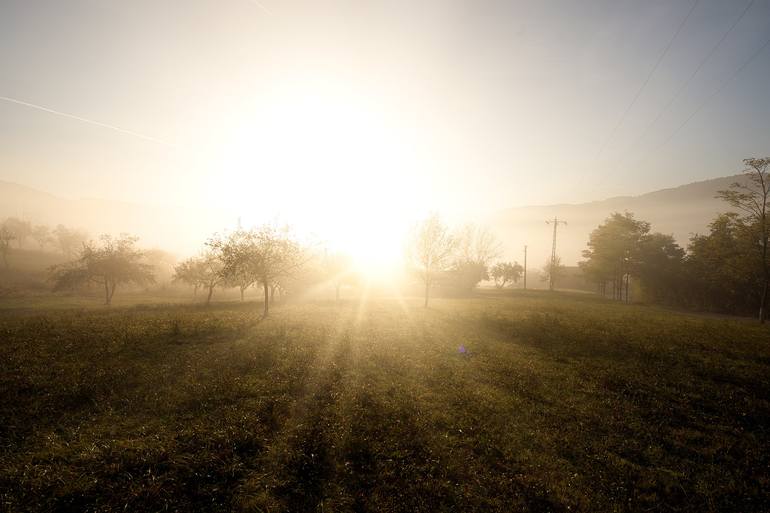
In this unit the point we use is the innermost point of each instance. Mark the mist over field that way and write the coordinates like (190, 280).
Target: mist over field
(384, 256)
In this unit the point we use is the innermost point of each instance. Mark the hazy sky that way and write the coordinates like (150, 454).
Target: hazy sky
(400, 105)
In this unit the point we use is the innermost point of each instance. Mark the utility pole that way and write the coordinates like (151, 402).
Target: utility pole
(556, 223)
(525, 267)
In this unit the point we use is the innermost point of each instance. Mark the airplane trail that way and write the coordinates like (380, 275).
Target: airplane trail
(85, 120)
(259, 4)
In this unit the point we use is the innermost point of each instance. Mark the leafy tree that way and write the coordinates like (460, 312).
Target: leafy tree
(506, 272)
(430, 251)
(657, 264)
(722, 267)
(751, 198)
(113, 262)
(264, 255)
(611, 252)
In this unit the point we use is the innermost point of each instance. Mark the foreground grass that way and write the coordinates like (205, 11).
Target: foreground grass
(562, 403)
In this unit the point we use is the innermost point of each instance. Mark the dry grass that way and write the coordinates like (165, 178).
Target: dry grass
(562, 403)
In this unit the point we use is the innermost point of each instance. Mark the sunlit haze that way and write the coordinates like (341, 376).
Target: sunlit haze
(351, 120)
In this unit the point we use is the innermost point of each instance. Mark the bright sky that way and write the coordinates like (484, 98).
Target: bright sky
(367, 114)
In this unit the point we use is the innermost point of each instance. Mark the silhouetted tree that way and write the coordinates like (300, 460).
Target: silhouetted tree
(611, 252)
(722, 267)
(751, 198)
(657, 264)
(431, 250)
(113, 262)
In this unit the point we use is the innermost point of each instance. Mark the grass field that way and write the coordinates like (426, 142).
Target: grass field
(562, 403)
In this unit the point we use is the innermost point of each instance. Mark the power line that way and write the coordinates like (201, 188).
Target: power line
(647, 80)
(716, 92)
(556, 222)
(692, 76)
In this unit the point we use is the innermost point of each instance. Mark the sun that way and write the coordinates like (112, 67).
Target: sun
(329, 161)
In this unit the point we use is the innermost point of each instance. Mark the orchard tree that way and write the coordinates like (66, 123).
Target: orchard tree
(204, 271)
(506, 272)
(265, 255)
(188, 272)
(431, 250)
(751, 198)
(112, 262)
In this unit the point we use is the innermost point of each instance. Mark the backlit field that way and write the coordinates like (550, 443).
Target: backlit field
(562, 402)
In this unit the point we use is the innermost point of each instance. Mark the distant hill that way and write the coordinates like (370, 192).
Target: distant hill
(176, 229)
(679, 211)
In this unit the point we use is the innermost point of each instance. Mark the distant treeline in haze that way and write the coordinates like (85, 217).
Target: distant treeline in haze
(725, 270)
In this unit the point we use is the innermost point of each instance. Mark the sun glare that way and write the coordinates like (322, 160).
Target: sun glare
(336, 164)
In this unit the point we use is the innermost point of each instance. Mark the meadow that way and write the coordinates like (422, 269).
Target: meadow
(560, 402)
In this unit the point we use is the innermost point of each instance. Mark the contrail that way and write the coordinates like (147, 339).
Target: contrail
(85, 120)
(259, 4)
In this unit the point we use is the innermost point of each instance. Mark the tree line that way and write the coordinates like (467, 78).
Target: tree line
(725, 270)
(17, 233)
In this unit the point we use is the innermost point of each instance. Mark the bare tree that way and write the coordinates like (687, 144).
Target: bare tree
(751, 198)
(431, 250)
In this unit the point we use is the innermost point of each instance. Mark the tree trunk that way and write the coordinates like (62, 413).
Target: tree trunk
(112, 292)
(211, 291)
(195, 291)
(266, 308)
(427, 290)
(272, 292)
(241, 293)
(106, 292)
(763, 303)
